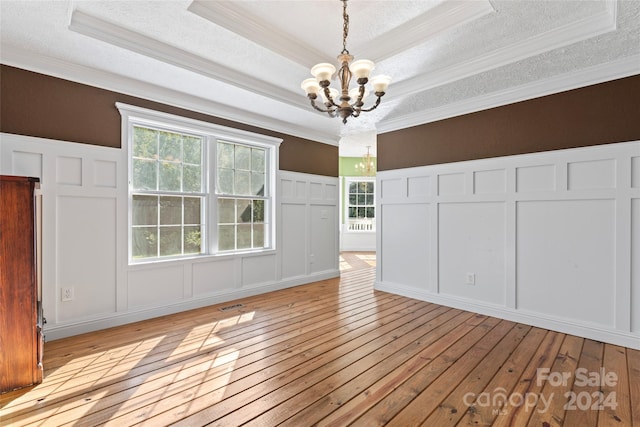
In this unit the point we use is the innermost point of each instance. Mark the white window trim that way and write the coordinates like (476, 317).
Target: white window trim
(347, 181)
(212, 133)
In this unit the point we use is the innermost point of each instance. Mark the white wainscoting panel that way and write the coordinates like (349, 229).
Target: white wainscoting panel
(403, 231)
(472, 241)
(490, 182)
(294, 241)
(258, 270)
(635, 265)
(213, 277)
(85, 211)
(155, 285)
(536, 178)
(418, 186)
(25, 163)
(324, 237)
(451, 184)
(566, 259)
(589, 175)
(550, 239)
(105, 174)
(69, 170)
(86, 260)
(309, 225)
(393, 188)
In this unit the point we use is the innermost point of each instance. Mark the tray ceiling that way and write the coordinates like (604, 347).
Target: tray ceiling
(244, 60)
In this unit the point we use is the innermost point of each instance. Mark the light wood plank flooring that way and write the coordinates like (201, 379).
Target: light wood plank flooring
(332, 353)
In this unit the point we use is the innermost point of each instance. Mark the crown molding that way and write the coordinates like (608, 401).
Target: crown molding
(444, 17)
(92, 77)
(124, 38)
(613, 70)
(574, 32)
(228, 15)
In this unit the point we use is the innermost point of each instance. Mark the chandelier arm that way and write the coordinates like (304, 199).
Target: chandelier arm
(366, 110)
(314, 105)
(330, 101)
(359, 104)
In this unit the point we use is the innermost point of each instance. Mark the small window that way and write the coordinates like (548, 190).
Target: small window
(361, 202)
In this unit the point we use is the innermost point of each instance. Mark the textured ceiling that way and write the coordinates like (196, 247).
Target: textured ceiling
(244, 60)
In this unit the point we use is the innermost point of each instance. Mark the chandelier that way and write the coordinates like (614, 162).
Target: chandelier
(338, 103)
(366, 166)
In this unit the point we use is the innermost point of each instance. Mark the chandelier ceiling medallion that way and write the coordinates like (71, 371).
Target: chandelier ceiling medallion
(338, 103)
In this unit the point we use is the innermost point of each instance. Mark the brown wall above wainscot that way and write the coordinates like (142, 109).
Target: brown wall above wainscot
(593, 115)
(43, 106)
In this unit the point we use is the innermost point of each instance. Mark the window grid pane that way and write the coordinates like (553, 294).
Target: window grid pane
(361, 206)
(241, 224)
(167, 197)
(166, 161)
(166, 226)
(242, 200)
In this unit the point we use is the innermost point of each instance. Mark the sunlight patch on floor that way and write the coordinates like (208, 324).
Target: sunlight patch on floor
(344, 264)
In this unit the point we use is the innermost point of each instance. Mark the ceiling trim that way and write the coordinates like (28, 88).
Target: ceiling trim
(420, 29)
(124, 38)
(444, 17)
(573, 80)
(574, 32)
(235, 19)
(104, 80)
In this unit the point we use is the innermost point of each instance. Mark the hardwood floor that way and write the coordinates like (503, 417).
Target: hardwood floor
(332, 353)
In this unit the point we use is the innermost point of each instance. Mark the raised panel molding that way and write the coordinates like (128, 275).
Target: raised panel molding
(635, 172)
(419, 186)
(535, 178)
(392, 188)
(404, 232)
(472, 241)
(635, 266)
(69, 170)
(26, 164)
(451, 184)
(105, 174)
(566, 264)
(591, 175)
(559, 248)
(489, 182)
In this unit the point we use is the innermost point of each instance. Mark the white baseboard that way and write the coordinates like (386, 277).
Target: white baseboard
(62, 330)
(534, 319)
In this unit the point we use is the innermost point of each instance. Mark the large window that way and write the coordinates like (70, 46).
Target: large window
(361, 204)
(196, 188)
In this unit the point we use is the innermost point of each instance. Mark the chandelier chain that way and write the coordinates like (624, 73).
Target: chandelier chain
(345, 27)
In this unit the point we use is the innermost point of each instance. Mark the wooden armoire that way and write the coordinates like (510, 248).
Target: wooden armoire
(21, 339)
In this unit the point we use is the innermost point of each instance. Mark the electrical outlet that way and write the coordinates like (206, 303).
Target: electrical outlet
(471, 278)
(66, 294)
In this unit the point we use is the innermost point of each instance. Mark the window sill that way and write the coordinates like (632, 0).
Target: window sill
(199, 258)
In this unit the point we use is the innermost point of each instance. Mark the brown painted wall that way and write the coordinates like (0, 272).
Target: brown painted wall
(599, 114)
(48, 107)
